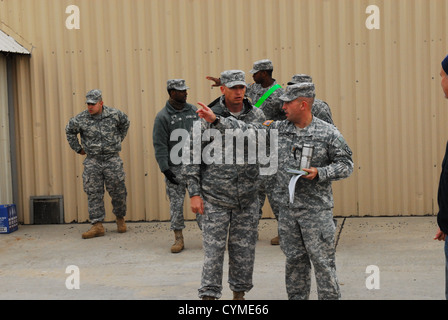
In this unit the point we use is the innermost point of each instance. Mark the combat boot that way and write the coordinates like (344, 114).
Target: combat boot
(238, 295)
(275, 241)
(97, 230)
(121, 225)
(178, 245)
(208, 298)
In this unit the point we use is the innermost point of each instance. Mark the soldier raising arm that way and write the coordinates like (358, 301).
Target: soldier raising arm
(225, 193)
(306, 226)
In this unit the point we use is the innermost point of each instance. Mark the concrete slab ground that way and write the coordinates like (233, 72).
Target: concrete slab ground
(138, 265)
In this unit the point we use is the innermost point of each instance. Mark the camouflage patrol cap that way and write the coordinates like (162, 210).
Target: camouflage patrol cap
(300, 78)
(94, 96)
(261, 65)
(176, 84)
(231, 78)
(304, 90)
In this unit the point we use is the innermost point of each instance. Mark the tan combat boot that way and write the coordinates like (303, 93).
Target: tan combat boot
(121, 225)
(178, 245)
(238, 295)
(275, 241)
(97, 230)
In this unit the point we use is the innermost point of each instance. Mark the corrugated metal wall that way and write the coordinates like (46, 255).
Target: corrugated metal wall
(5, 151)
(382, 85)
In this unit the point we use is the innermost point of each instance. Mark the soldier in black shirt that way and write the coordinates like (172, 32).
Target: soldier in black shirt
(442, 216)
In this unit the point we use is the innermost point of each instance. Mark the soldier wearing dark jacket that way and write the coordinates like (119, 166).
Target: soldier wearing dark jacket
(102, 130)
(177, 114)
(442, 215)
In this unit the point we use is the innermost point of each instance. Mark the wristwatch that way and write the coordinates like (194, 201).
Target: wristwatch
(217, 120)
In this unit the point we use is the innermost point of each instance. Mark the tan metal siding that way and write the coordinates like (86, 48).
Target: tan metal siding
(382, 85)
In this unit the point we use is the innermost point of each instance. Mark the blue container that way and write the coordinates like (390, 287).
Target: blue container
(8, 218)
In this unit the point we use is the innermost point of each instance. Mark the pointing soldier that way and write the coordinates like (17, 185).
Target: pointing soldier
(177, 114)
(264, 94)
(306, 224)
(102, 130)
(226, 195)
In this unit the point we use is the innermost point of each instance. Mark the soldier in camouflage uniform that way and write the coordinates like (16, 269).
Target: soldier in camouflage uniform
(306, 224)
(177, 114)
(272, 108)
(102, 130)
(272, 105)
(264, 94)
(262, 75)
(320, 108)
(226, 195)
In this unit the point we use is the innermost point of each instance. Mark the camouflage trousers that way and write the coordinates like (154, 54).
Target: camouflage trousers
(176, 195)
(97, 174)
(307, 236)
(241, 227)
(266, 188)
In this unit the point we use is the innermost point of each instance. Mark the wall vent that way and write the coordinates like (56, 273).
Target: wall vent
(47, 210)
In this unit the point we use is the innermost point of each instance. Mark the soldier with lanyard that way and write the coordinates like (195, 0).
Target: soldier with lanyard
(306, 226)
(265, 92)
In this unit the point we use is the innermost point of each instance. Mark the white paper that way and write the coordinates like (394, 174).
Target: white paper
(293, 181)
